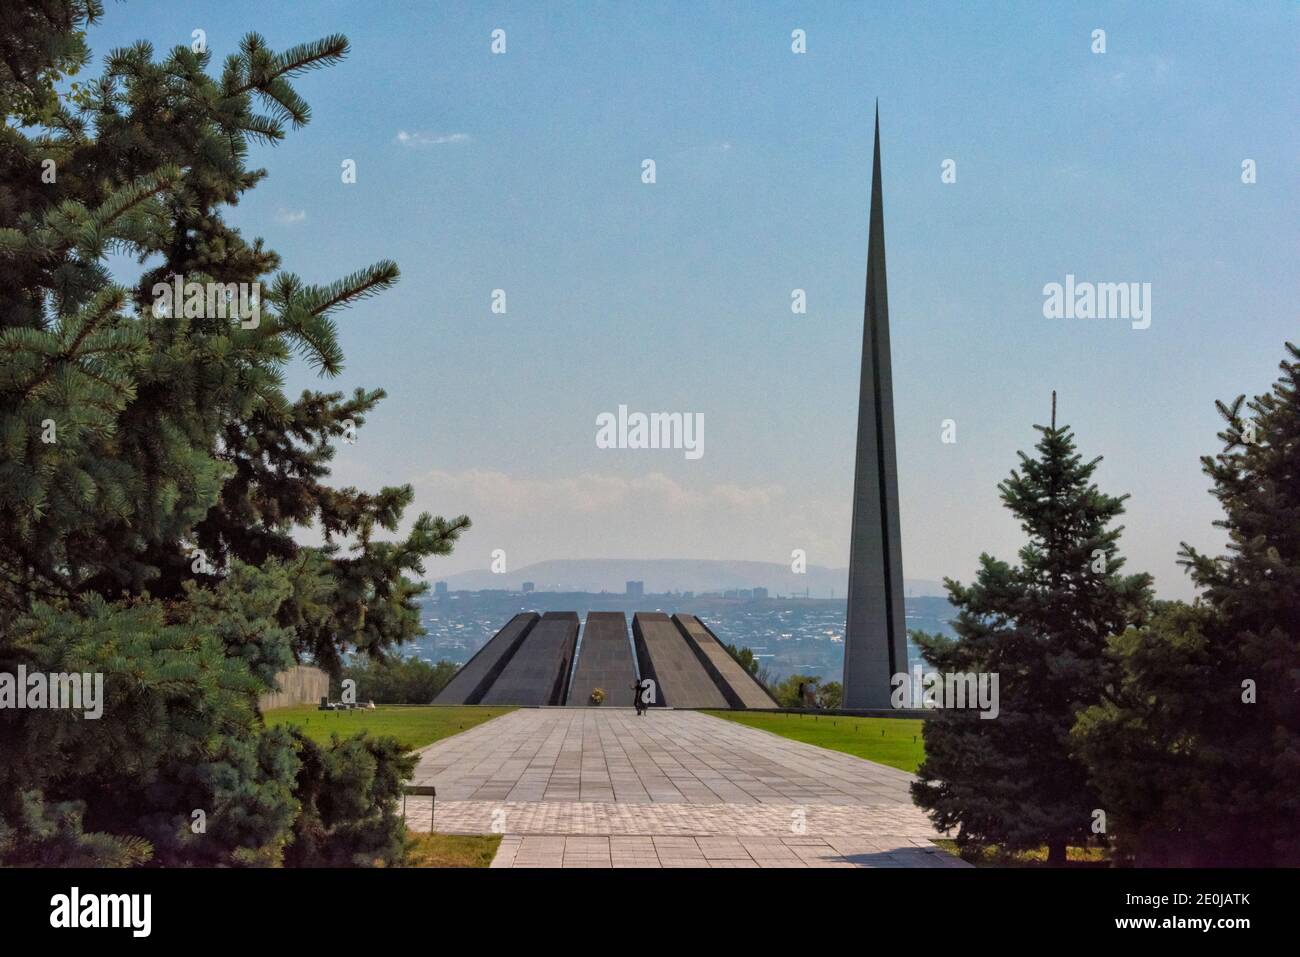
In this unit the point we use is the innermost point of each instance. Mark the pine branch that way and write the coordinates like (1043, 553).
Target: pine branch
(121, 202)
(104, 305)
(260, 128)
(360, 285)
(290, 106)
(317, 338)
(264, 68)
(312, 55)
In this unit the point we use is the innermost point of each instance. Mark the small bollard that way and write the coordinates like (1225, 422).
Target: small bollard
(421, 790)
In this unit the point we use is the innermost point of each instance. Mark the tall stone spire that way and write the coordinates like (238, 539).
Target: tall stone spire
(875, 641)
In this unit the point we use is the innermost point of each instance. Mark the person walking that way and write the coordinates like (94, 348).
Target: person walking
(636, 697)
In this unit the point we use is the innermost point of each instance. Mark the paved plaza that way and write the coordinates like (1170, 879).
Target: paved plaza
(596, 787)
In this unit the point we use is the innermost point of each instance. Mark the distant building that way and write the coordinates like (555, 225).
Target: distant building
(440, 589)
(760, 594)
(636, 589)
(528, 586)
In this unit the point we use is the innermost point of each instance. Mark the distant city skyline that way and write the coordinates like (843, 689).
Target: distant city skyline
(791, 635)
(757, 593)
(523, 172)
(660, 576)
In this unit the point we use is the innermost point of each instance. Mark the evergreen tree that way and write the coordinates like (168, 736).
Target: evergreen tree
(1041, 626)
(399, 680)
(743, 657)
(830, 695)
(1196, 750)
(350, 790)
(153, 472)
(790, 691)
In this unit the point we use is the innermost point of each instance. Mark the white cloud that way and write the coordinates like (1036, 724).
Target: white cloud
(430, 139)
(290, 217)
(587, 493)
(605, 515)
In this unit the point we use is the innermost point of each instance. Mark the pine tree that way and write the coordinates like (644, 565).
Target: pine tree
(1197, 747)
(1041, 626)
(153, 472)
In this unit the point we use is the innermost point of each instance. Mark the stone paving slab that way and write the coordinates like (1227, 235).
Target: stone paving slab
(687, 820)
(535, 850)
(598, 787)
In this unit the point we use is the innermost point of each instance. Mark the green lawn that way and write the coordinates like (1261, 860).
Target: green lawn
(413, 725)
(450, 850)
(892, 741)
(997, 857)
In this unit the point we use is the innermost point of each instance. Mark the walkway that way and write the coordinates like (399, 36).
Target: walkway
(583, 787)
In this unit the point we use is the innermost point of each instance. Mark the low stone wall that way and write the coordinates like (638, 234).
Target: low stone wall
(301, 684)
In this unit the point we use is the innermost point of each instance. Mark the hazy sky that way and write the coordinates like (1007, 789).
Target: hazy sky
(522, 172)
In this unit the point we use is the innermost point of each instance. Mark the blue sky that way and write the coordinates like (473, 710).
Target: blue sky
(522, 172)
